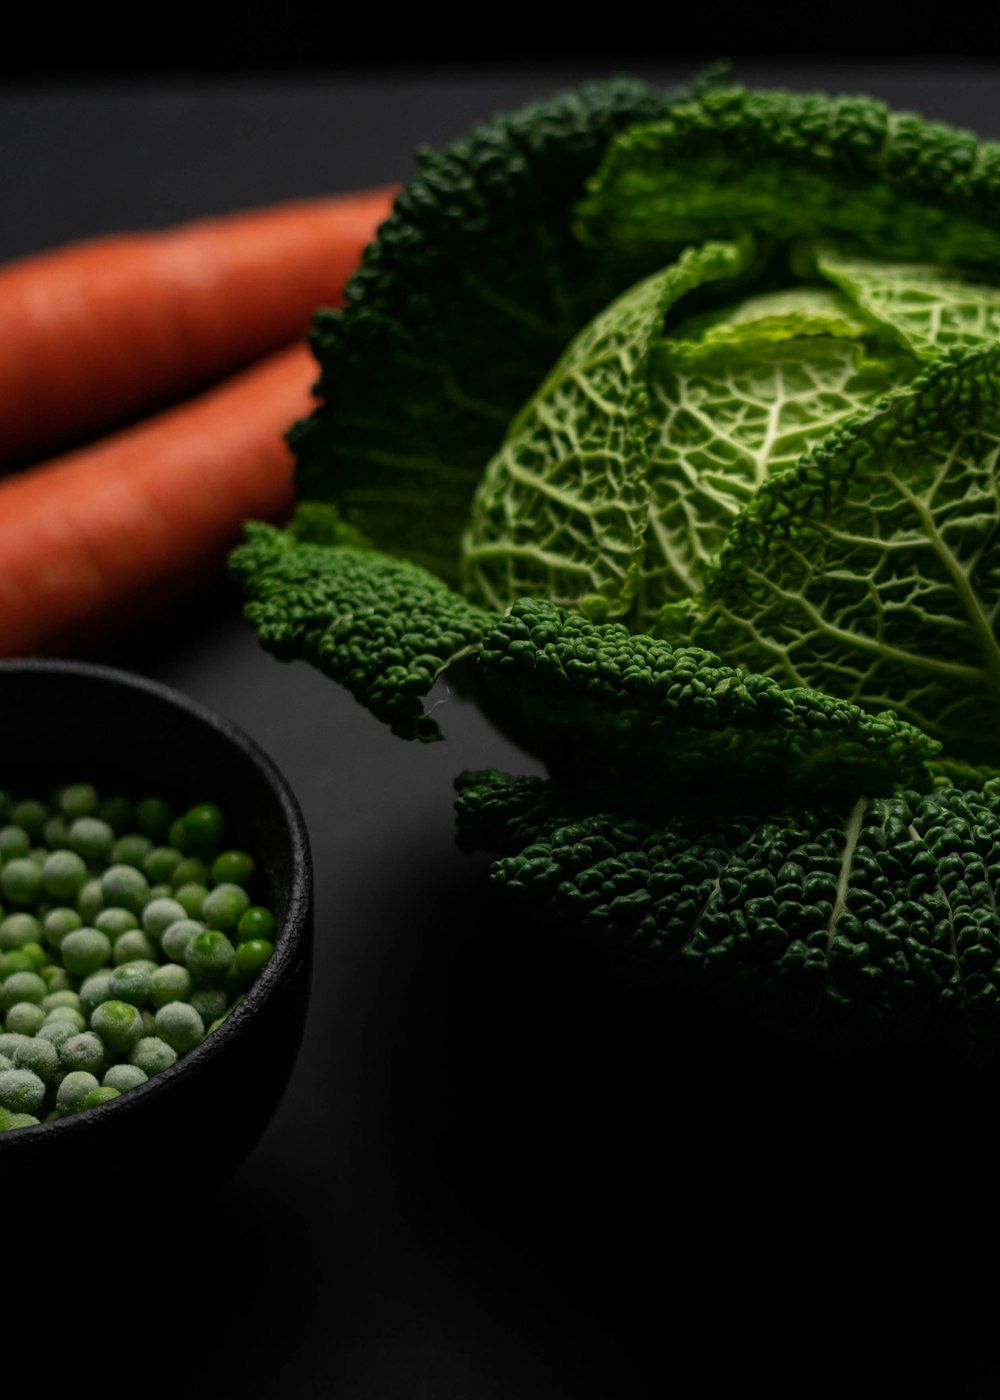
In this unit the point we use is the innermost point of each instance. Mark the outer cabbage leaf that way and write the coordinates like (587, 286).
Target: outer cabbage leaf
(563, 506)
(848, 171)
(384, 628)
(469, 294)
(873, 921)
(607, 707)
(871, 569)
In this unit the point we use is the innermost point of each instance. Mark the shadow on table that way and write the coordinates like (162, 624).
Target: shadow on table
(666, 1197)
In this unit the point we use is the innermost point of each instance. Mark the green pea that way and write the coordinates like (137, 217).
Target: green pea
(251, 956)
(21, 880)
(179, 1024)
(58, 922)
(124, 1077)
(24, 1018)
(78, 800)
(22, 986)
(160, 864)
(223, 906)
(31, 815)
(134, 946)
(85, 950)
(21, 1091)
(114, 921)
(64, 874)
(73, 1089)
(209, 956)
(14, 842)
(126, 886)
(209, 1002)
(192, 870)
(56, 832)
(131, 849)
(104, 1093)
(85, 1050)
(203, 826)
(91, 838)
(159, 914)
(132, 982)
(18, 930)
(171, 982)
(41, 1057)
(116, 810)
(90, 901)
(119, 1025)
(152, 1055)
(154, 818)
(233, 868)
(255, 922)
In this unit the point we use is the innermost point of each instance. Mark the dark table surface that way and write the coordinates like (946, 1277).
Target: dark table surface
(493, 1174)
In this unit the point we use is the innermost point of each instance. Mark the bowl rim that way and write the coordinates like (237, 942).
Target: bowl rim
(290, 940)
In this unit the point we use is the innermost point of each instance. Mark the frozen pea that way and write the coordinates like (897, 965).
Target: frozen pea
(191, 896)
(56, 978)
(22, 986)
(163, 891)
(118, 1024)
(114, 921)
(21, 880)
(130, 850)
(9, 1041)
(72, 1015)
(14, 842)
(85, 950)
(91, 838)
(15, 961)
(255, 922)
(209, 956)
(64, 873)
(90, 901)
(124, 1077)
(18, 929)
(58, 1032)
(95, 989)
(41, 1057)
(179, 1024)
(74, 1088)
(116, 809)
(31, 815)
(37, 955)
(171, 982)
(192, 870)
(152, 1055)
(159, 914)
(176, 938)
(85, 1050)
(133, 946)
(223, 906)
(56, 832)
(78, 800)
(160, 864)
(24, 1018)
(209, 1002)
(58, 922)
(16, 1120)
(154, 817)
(132, 982)
(21, 1091)
(124, 885)
(64, 997)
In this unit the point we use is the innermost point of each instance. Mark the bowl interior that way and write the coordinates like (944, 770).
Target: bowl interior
(74, 722)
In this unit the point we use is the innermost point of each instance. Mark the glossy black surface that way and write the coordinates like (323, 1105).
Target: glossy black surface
(75, 721)
(497, 1170)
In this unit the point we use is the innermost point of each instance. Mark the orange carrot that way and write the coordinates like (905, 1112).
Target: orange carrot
(94, 541)
(98, 333)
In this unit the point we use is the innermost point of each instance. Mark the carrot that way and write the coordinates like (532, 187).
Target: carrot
(95, 541)
(98, 333)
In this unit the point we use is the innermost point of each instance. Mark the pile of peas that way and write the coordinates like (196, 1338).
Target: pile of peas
(128, 932)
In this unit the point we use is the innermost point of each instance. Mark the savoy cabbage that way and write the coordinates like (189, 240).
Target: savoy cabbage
(668, 425)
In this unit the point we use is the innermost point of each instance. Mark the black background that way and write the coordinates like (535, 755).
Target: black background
(499, 1170)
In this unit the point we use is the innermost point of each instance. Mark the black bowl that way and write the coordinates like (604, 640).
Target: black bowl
(73, 722)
